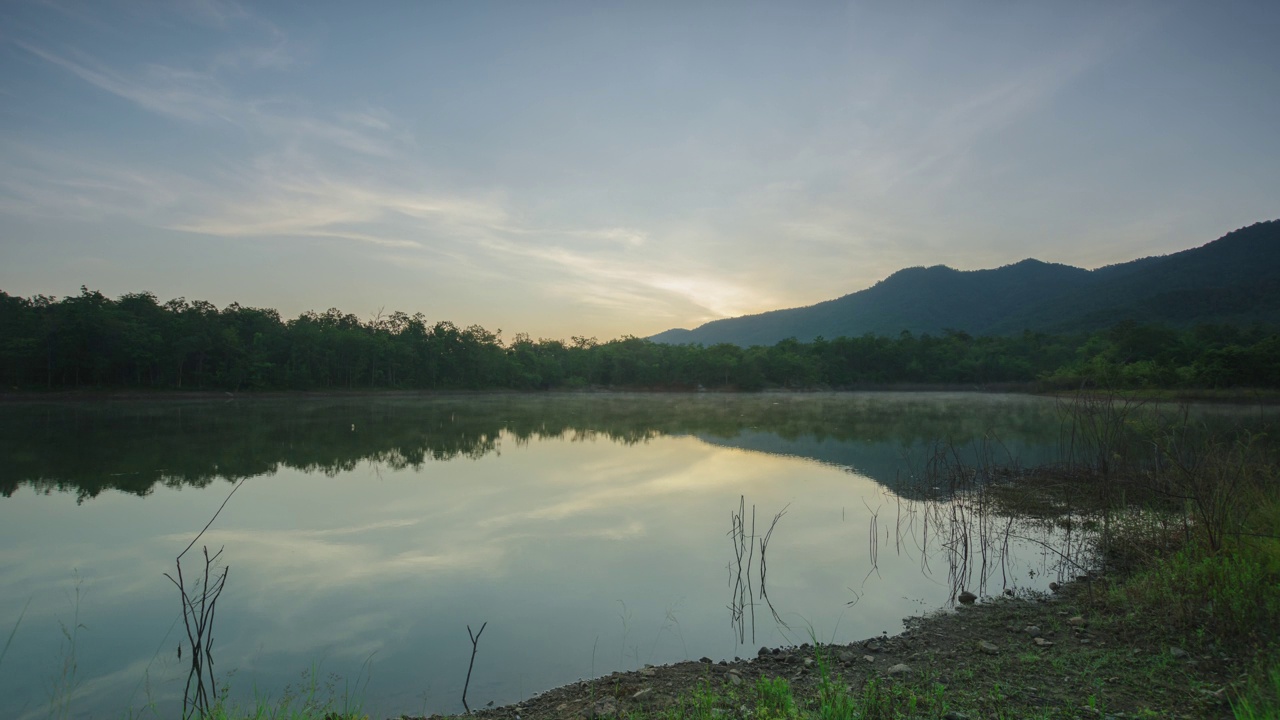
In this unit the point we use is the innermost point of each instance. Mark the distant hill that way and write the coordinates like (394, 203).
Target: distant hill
(1234, 279)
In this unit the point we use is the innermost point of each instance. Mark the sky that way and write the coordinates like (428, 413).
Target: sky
(609, 169)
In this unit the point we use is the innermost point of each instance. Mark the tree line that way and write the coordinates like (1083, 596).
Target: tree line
(135, 341)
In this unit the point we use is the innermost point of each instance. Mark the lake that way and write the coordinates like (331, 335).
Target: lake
(591, 532)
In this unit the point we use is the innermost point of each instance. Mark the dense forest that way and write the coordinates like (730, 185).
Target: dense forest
(135, 341)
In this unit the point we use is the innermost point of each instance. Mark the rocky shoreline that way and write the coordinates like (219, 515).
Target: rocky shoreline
(1058, 655)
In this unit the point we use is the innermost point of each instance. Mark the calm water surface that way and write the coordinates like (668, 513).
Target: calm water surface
(591, 533)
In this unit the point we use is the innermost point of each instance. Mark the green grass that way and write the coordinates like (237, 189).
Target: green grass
(311, 699)
(1261, 699)
(268, 711)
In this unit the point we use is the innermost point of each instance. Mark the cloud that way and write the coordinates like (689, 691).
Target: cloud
(218, 13)
(185, 95)
(748, 208)
(42, 183)
(201, 96)
(627, 282)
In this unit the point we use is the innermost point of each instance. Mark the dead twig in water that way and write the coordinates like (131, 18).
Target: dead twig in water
(197, 616)
(764, 545)
(475, 644)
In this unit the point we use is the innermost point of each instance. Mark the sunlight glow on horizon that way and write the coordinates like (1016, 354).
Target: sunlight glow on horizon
(562, 170)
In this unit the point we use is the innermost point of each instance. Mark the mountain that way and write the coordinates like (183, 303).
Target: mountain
(1234, 279)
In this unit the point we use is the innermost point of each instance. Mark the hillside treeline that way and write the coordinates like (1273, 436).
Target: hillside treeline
(135, 341)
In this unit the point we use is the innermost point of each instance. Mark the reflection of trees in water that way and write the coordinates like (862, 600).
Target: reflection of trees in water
(973, 517)
(132, 446)
(748, 591)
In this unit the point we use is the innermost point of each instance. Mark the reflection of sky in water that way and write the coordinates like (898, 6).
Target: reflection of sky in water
(583, 556)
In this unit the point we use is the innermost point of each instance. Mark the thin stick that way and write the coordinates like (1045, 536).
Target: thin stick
(475, 643)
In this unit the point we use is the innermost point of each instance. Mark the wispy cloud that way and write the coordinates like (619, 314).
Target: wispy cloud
(218, 13)
(201, 96)
(882, 150)
(43, 183)
(629, 281)
(182, 94)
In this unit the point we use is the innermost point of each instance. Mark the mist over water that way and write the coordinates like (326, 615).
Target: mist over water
(592, 533)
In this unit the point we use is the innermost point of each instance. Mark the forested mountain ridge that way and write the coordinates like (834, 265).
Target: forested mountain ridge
(1156, 318)
(1234, 279)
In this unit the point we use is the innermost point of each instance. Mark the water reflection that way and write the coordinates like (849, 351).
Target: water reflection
(587, 531)
(750, 554)
(135, 447)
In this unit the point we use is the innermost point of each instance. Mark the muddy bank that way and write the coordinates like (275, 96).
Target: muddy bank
(1059, 655)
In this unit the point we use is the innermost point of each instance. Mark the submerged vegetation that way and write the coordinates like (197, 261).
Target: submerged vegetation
(135, 341)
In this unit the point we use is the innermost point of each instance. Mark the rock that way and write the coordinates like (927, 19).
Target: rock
(649, 671)
(1077, 621)
(705, 660)
(1178, 653)
(604, 708)
(899, 669)
(642, 694)
(967, 597)
(868, 658)
(1041, 642)
(763, 651)
(988, 648)
(1032, 630)
(874, 645)
(735, 678)
(808, 662)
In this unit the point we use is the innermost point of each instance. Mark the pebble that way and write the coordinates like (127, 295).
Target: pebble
(1032, 630)
(1077, 620)
(1041, 642)
(899, 669)
(988, 648)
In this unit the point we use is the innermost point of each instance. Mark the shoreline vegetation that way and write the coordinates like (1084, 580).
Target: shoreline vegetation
(135, 343)
(1174, 611)
(1226, 396)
